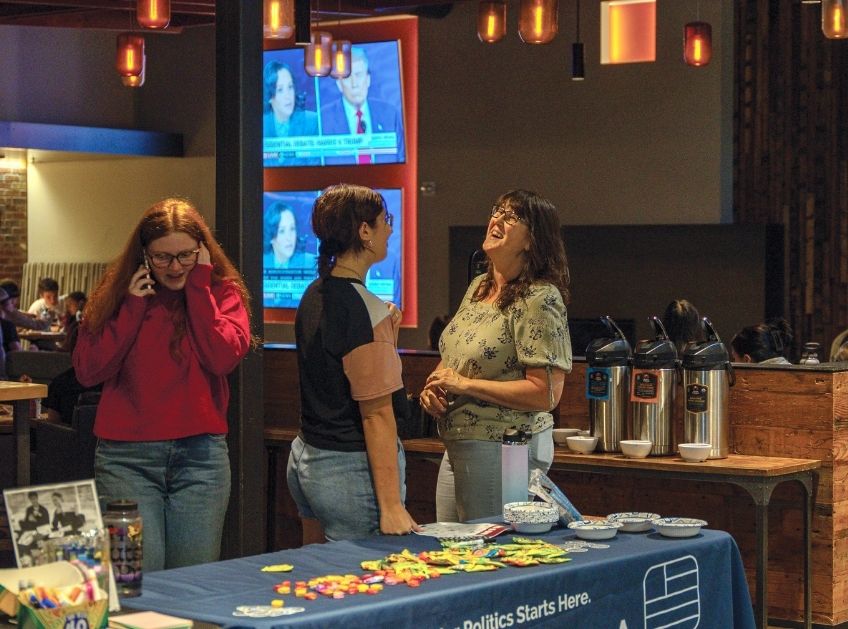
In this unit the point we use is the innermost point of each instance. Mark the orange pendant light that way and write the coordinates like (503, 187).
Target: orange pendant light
(834, 25)
(341, 59)
(318, 59)
(136, 80)
(129, 60)
(697, 43)
(537, 21)
(279, 19)
(491, 21)
(153, 13)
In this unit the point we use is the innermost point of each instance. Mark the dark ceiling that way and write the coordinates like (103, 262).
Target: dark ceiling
(118, 14)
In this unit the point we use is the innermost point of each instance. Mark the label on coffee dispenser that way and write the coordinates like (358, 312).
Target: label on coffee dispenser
(598, 383)
(645, 386)
(697, 396)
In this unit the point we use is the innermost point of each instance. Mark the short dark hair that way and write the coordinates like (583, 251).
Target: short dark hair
(77, 296)
(48, 284)
(10, 287)
(32, 494)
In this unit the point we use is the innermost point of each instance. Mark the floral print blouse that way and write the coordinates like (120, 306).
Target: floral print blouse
(483, 342)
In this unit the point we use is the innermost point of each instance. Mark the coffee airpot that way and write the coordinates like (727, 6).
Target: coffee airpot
(607, 386)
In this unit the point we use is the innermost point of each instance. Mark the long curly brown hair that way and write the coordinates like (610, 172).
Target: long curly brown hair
(544, 262)
(165, 217)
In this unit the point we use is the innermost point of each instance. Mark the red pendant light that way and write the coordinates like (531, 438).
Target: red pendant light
(153, 13)
(697, 43)
(279, 19)
(136, 80)
(491, 21)
(129, 60)
(341, 59)
(318, 59)
(834, 19)
(537, 21)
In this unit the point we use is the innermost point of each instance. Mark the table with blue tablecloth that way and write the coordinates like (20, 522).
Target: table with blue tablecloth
(640, 580)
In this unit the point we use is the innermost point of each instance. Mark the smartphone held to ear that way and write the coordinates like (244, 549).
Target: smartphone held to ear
(147, 266)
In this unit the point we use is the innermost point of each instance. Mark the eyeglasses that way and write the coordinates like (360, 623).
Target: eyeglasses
(509, 217)
(163, 260)
(389, 218)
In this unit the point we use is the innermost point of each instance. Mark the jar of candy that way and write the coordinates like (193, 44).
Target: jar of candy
(123, 521)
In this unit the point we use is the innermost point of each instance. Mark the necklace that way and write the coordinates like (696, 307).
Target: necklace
(356, 274)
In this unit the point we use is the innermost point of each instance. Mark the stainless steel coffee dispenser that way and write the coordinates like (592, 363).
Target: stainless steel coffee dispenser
(652, 389)
(707, 375)
(608, 385)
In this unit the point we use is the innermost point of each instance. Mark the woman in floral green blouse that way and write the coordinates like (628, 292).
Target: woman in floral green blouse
(504, 357)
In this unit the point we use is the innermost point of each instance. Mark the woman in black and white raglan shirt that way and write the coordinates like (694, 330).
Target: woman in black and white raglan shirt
(346, 468)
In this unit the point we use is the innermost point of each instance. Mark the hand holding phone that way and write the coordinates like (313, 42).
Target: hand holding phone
(149, 285)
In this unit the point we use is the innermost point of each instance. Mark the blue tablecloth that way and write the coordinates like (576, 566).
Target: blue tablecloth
(641, 580)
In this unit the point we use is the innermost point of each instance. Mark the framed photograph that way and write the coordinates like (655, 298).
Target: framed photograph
(43, 512)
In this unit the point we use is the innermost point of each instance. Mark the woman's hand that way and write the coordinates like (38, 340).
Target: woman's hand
(203, 257)
(397, 521)
(448, 381)
(434, 401)
(141, 284)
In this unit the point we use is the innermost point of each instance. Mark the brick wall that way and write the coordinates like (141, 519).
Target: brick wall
(13, 222)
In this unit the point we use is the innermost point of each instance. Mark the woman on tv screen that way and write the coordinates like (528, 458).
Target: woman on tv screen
(285, 115)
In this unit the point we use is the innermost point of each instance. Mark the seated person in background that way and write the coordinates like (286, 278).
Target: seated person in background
(19, 318)
(74, 304)
(64, 390)
(65, 521)
(8, 330)
(48, 302)
(764, 343)
(682, 321)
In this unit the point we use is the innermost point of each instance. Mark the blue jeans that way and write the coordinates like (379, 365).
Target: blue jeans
(469, 483)
(182, 488)
(337, 489)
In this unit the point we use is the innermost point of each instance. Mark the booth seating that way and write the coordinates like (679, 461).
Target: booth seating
(66, 453)
(40, 366)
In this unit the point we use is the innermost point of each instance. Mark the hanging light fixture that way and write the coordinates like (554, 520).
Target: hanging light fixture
(136, 80)
(129, 60)
(491, 21)
(279, 19)
(537, 21)
(341, 59)
(153, 13)
(697, 43)
(318, 58)
(834, 24)
(578, 71)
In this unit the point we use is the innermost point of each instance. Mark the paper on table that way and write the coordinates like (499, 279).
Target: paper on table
(460, 529)
(149, 620)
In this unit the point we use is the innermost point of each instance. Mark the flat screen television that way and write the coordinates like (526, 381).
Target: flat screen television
(290, 249)
(312, 121)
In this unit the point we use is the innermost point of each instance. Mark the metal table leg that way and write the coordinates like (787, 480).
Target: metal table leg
(21, 418)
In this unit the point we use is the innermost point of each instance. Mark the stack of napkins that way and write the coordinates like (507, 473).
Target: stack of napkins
(148, 620)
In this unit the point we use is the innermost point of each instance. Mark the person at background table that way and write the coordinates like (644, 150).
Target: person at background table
(281, 240)
(284, 113)
(346, 470)
(764, 343)
(63, 391)
(355, 113)
(18, 317)
(48, 303)
(162, 341)
(683, 323)
(504, 357)
(9, 340)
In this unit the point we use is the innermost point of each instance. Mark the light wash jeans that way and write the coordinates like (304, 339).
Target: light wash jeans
(338, 489)
(182, 488)
(469, 484)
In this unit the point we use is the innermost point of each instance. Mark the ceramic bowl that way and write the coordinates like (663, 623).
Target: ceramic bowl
(694, 452)
(584, 445)
(595, 529)
(679, 527)
(561, 434)
(585, 433)
(530, 517)
(634, 521)
(636, 448)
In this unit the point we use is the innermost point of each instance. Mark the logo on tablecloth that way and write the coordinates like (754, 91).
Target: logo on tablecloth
(672, 594)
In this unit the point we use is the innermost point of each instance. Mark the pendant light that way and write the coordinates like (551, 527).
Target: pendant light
(278, 19)
(155, 14)
(491, 21)
(697, 43)
(136, 80)
(318, 58)
(341, 65)
(537, 21)
(129, 60)
(578, 71)
(833, 18)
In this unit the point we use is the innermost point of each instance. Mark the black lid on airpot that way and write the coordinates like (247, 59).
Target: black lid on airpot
(656, 353)
(611, 350)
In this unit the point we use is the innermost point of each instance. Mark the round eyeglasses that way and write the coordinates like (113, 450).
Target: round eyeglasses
(163, 260)
(509, 217)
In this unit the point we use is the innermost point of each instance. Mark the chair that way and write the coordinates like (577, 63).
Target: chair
(66, 453)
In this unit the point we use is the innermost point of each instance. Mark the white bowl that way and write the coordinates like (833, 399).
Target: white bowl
(694, 452)
(561, 434)
(595, 529)
(530, 517)
(584, 445)
(634, 521)
(585, 433)
(636, 448)
(679, 527)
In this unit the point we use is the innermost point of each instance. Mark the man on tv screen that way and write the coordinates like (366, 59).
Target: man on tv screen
(357, 114)
(285, 115)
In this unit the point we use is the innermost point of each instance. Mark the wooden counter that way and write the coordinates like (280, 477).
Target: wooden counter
(775, 411)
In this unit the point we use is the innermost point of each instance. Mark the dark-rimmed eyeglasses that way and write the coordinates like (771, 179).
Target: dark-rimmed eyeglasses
(509, 217)
(162, 260)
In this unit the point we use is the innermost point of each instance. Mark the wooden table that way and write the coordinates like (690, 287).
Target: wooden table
(758, 475)
(20, 394)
